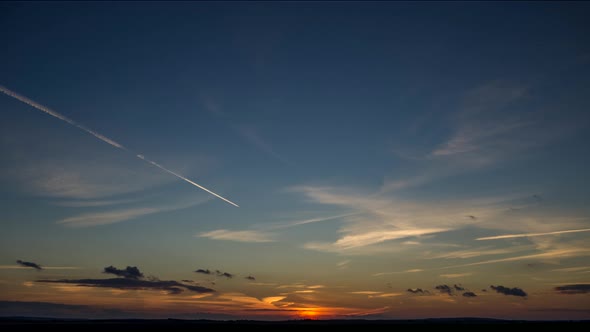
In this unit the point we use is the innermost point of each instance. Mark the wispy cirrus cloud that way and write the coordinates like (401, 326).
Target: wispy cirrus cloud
(397, 272)
(253, 136)
(484, 131)
(115, 216)
(86, 181)
(248, 132)
(263, 232)
(512, 236)
(93, 203)
(376, 294)
(572, 269)
(473, 138)
(366, 239)
(378, 218)
(455, 275)
(105, 218)
(549, 254)
(238, 236)
(293, 223)
(471, 253)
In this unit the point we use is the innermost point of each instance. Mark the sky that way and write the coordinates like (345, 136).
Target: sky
(378, 160)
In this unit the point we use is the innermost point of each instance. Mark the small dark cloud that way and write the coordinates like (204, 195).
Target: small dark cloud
(484, 290)
(187, 280)
(509, 291)
(472, 217)
(458, 288)
(171, 286)
(130, 272)
(224, 274)
(203, 271)
(573, 289)
(216, 272)
(417, 291)
(445, 289)
(174, 290)
(29, 264)
(250, 278)
(469, 294)
(537, 198)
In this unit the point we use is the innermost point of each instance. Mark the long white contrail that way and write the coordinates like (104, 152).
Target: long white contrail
(59, 116)
(512, 236)
(104, 139)
(142, 157)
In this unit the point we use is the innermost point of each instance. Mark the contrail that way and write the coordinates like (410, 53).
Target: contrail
(511, 236)
(185, 179)
(104, 139)
(59, 116)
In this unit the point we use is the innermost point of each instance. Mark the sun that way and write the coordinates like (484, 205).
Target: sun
(308, 314)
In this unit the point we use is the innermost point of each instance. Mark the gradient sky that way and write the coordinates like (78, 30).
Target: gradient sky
(376, 151)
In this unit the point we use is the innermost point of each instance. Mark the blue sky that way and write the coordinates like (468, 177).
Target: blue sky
(368, 145)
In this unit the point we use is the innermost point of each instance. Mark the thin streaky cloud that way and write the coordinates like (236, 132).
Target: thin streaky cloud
(512, 236)
(110, 217)
(20, 267)
(103, 138)
(289, 224)
(472, 139)
(252, 135)
(94, 203)
(386, 295)
(561, 253)
(397, 272)
(471, 253)
(105, 218)
(572, 269)
(365, 292)
(360, 240)
(343, 263)
(238, 236)
(455, 275)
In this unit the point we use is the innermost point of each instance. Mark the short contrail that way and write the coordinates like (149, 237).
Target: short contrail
(104, 139)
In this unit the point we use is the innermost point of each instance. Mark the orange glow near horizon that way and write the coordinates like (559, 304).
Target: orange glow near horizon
(309, 314)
